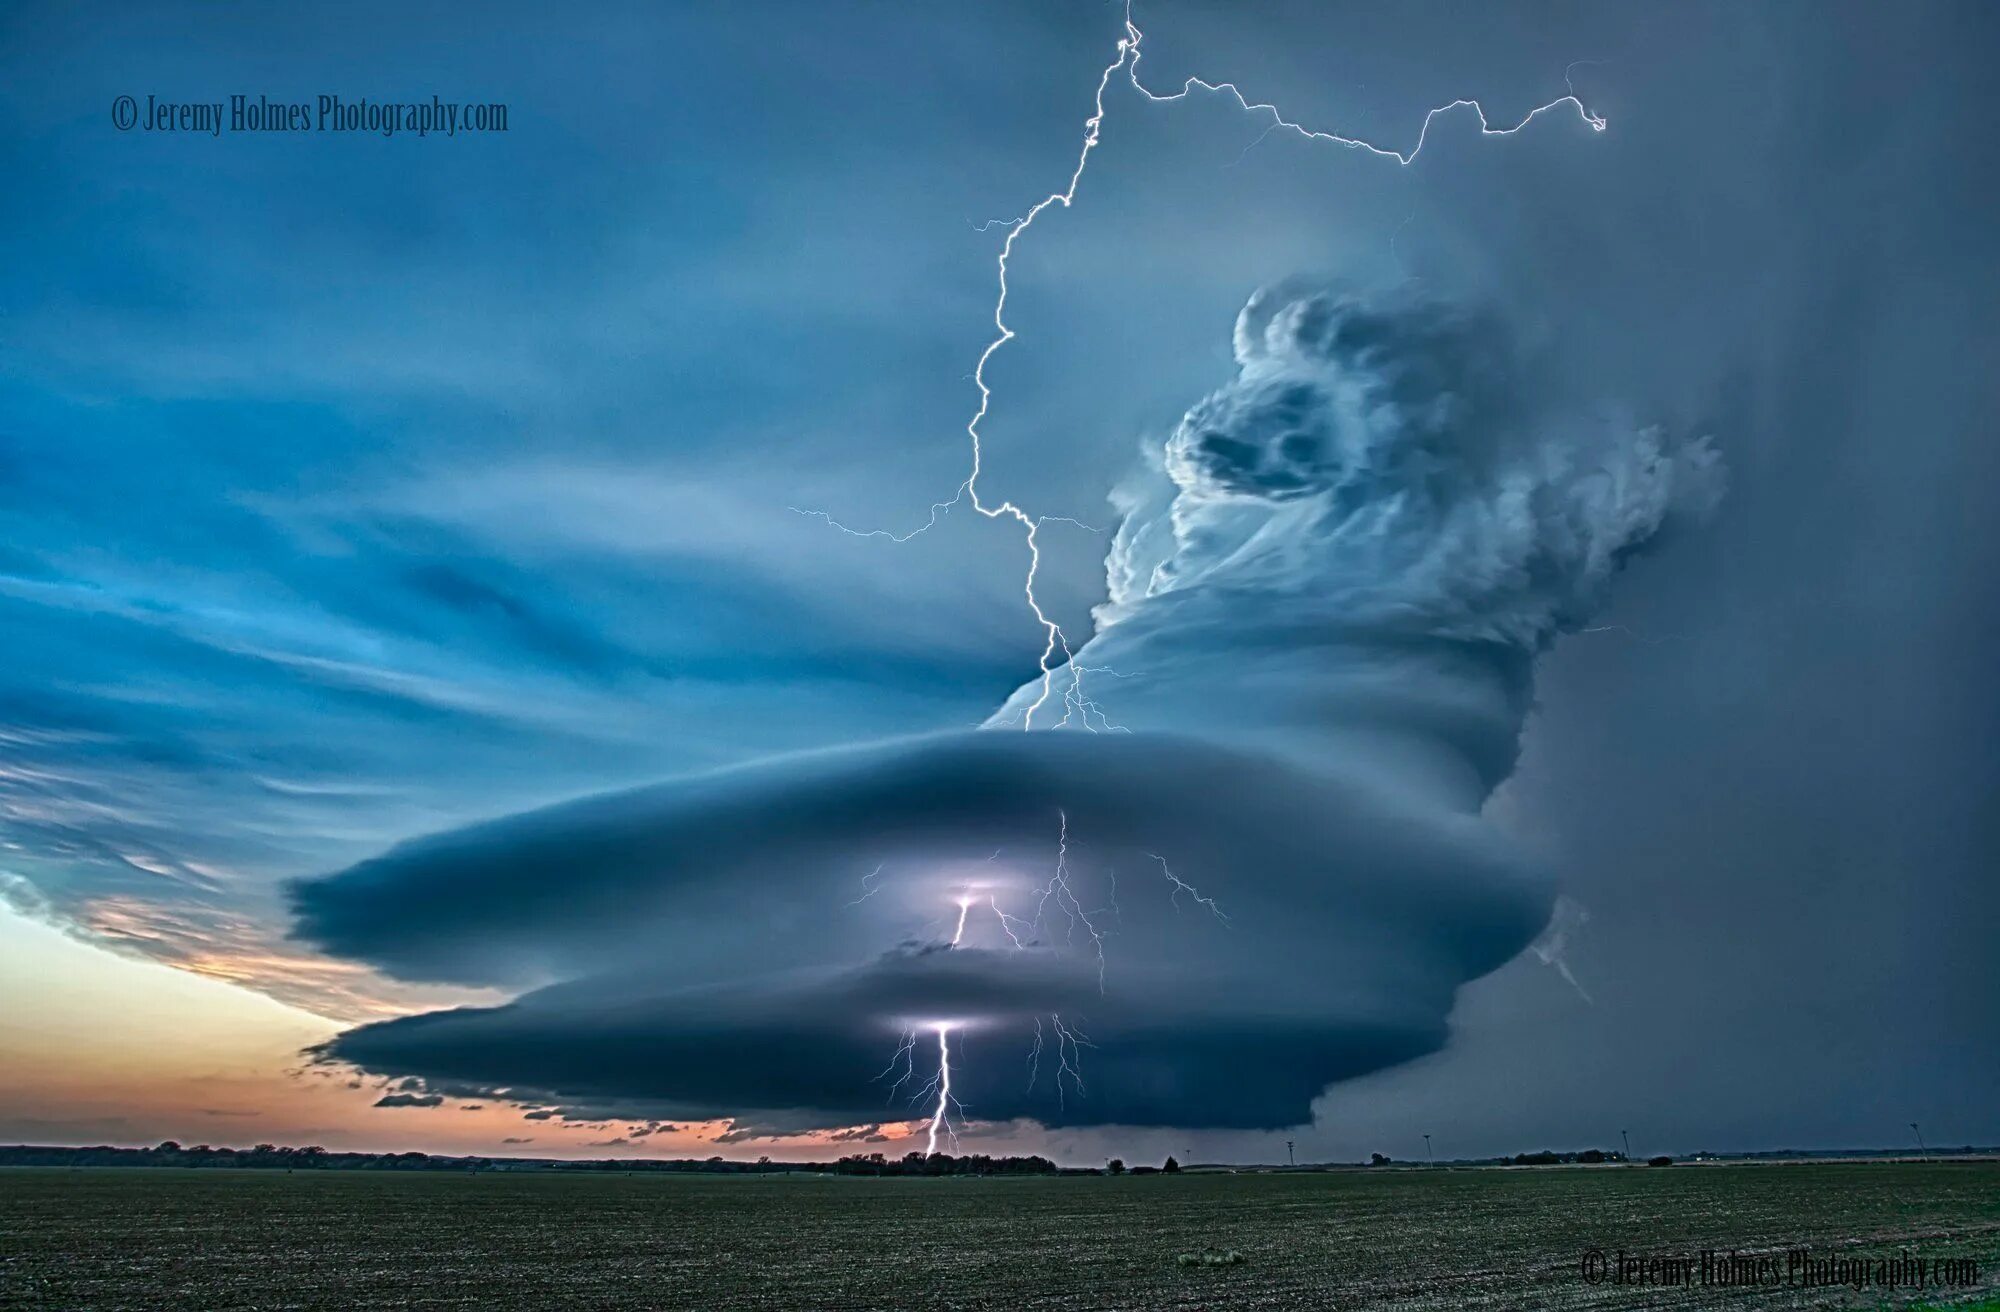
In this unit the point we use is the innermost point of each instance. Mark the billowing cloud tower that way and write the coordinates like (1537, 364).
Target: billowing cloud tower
(1250, 864)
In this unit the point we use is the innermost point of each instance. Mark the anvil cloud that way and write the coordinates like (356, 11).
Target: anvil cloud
(1313, 668)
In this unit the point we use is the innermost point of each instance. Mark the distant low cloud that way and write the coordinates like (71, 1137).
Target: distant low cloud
(859, 1134)
(409, 1100)
(1269, 872)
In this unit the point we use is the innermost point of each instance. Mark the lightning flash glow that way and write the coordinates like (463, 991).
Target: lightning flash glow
(1058, 897)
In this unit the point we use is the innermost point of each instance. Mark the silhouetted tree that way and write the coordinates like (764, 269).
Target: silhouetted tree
(1172, 1167)
(1116, 1166)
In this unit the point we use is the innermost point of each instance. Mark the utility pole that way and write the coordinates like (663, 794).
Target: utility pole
(1628, 1144)
(1289, 1159)
(1922, 1152)
(1428, 1158)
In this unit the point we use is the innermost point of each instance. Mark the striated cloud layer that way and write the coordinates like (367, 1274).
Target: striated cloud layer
(1249, 861)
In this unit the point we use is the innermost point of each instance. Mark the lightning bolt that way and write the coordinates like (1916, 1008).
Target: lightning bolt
(940, 1084)
(1076, 704)
(944, 1098)
(1129, 54)
(906, 1054)
(869, 888)
(1007, 923)
(1069, 1057)
(1069, 1042)
(1053, 638)
(1023, 932)
(1063, 893)
(1181, 887)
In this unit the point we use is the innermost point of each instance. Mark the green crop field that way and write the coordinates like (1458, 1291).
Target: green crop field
(182, 1239)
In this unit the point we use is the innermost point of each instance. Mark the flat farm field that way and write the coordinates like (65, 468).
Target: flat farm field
(1484, 1238)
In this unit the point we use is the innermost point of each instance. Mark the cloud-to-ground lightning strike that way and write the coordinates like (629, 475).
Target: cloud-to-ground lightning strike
(943, 1088)
(941, 1082)
(1076, 703)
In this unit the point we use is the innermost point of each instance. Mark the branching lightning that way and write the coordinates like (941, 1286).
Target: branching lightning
(905, 1054)
(1008, 923)
(1062, 892)
(1053, 637)
(1069, 1058)
(1077, 706)
(1181, 886)
(1069, 1041)
(1025, 933)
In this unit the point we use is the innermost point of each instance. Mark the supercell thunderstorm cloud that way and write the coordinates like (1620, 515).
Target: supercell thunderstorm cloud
(1252, 863)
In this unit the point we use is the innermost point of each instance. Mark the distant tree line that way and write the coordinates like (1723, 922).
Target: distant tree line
(940, 1164)
(315, 1158)
(264, 1156)
(312, 1157)
(1586, 1157)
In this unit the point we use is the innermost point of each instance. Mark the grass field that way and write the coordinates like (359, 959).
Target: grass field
(180, 1239)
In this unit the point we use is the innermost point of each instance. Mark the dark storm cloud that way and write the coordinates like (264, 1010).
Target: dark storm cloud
(805, 1051)
(768, 862)
(1322, 620)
